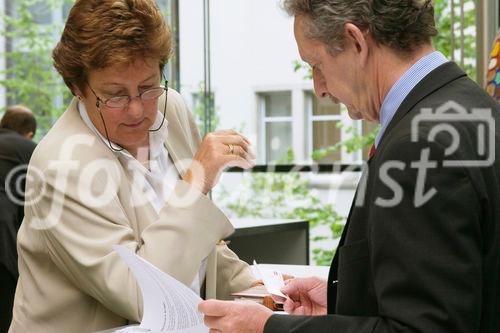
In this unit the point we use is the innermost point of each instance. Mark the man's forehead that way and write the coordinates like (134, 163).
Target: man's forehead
(303, 44)
(305, 54)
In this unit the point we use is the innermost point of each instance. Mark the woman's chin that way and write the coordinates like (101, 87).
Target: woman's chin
(133, 142)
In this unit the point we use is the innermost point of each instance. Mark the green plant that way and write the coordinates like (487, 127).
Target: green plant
(199, 111)
(29, 77)
(287, 196)
(352, 144)
(442, 41)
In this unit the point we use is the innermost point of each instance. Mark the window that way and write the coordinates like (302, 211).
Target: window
(276, 126)
(295, 120)
(323, 127)
(42, 14)
(198, 109)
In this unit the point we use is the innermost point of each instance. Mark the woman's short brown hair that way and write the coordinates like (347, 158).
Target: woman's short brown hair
(100, 33)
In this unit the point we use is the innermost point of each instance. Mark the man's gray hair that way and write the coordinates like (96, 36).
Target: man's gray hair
(402, 25)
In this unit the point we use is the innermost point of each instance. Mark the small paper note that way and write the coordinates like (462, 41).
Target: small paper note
(273, 280)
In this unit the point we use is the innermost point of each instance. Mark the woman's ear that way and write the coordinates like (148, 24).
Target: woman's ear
(77, 93)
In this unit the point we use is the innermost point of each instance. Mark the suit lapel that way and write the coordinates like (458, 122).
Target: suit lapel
(435, 80)
(177, 141)
(429, 84)
(177, 155)
(333, 274)
(180, 149)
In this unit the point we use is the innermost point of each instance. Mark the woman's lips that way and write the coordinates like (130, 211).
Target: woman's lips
(134, 125)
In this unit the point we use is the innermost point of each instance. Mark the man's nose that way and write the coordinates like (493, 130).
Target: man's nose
(320, 88)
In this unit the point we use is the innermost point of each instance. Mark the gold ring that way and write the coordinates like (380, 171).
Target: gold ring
(231, 149)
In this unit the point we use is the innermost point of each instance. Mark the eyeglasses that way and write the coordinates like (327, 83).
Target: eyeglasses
(121, 102)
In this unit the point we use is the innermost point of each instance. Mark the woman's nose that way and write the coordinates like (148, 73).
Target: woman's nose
(135, 107)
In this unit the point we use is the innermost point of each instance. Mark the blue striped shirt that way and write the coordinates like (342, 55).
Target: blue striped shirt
(404, 85)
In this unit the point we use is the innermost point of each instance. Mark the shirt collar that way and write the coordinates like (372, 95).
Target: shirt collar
(156, 138)
(402, 88)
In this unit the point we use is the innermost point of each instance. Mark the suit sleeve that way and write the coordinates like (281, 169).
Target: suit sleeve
(79, 232)
(425, 259)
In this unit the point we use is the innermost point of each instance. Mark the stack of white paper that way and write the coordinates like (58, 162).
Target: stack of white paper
(169, 306)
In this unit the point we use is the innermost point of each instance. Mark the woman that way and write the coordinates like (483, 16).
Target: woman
(123, 165)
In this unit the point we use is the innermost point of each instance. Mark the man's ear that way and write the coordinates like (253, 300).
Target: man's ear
(29, 135)
(359, 41)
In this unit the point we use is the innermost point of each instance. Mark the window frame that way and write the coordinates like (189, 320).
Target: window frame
(264, 120)
(310, 118)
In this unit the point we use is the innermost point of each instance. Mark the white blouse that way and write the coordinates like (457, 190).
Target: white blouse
(158, 180)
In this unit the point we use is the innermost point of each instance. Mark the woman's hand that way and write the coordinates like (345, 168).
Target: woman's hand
(217, 151)
(234, 317)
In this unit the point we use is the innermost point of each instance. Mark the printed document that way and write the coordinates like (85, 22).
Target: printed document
(169, 305)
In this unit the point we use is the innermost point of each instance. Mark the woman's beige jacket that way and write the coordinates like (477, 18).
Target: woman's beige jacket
(80, 202)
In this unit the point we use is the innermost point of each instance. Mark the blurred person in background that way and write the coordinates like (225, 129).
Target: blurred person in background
(17, 128)
(123, 165)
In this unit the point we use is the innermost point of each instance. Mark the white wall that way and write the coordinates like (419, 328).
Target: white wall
(252, 48)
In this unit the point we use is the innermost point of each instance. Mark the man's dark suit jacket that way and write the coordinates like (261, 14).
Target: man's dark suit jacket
(430, 266)
(15, 152)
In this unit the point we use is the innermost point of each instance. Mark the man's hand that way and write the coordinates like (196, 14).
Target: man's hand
(307, 296)
(217, 151)
(234, 317)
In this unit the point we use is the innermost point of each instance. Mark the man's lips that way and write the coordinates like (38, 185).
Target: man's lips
(334, 99)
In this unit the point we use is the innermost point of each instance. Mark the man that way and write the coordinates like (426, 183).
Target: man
(421, 248)
(17, 128)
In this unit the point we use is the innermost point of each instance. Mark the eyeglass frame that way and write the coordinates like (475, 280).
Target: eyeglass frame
(99, 100)
(130, 98)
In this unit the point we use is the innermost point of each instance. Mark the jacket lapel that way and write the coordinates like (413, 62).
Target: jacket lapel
(181, 151)
(177, 141)
(432, 82)
(435, 80)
